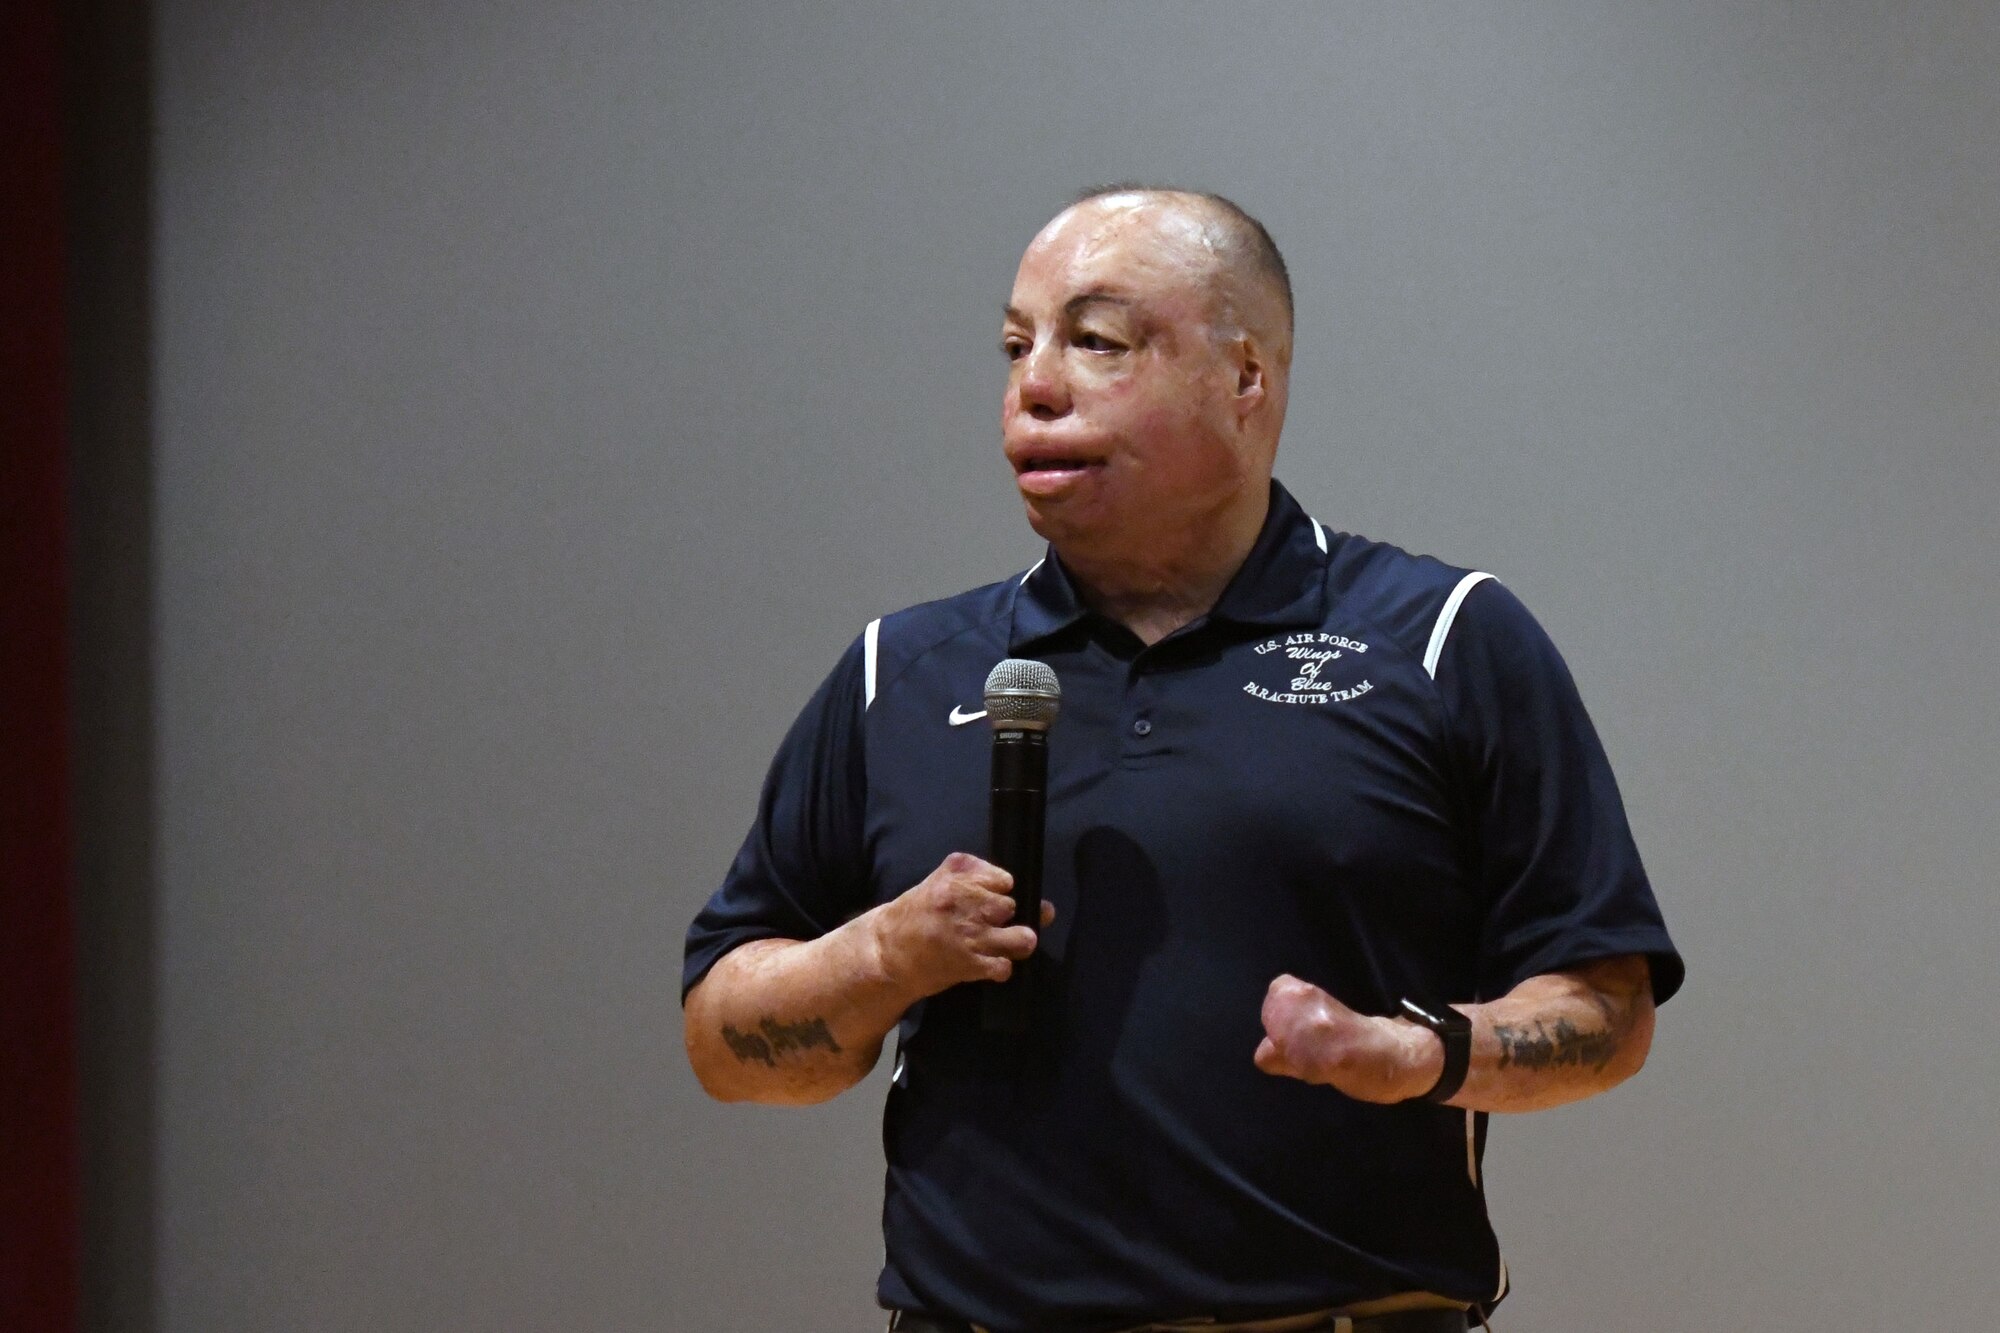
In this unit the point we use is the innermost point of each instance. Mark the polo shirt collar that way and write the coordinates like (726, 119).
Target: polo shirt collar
(1282, 581)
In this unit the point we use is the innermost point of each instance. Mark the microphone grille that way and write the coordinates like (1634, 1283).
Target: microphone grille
(1022, 693)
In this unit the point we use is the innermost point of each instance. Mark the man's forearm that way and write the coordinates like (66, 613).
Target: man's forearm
(798, 1021)
(791, 1021)
(1555, 1038)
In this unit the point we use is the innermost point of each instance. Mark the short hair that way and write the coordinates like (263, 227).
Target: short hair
(1246, 235)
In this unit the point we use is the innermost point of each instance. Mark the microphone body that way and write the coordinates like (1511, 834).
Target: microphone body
(1014, 837)
(1021, 702)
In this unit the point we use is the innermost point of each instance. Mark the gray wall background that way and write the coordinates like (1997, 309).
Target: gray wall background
(496, 418)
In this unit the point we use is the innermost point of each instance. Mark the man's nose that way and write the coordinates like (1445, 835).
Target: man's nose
(1042, 390)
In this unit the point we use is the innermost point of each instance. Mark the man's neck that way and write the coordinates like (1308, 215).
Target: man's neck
(1177, 578)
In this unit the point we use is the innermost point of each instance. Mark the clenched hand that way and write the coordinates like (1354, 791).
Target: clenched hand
(953, 927)
(1310, 1035)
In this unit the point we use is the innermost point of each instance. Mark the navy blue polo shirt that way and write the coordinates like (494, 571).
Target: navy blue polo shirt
(1362, 767)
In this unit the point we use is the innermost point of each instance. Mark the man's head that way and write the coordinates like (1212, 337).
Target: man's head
(1150, 338)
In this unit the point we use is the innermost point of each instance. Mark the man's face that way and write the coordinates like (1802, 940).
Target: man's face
(1120, 417)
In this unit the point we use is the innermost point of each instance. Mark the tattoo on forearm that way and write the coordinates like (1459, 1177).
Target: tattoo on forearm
(774, 1039)
(1563, 1046)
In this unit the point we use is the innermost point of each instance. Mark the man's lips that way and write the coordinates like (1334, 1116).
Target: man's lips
(1053, 474)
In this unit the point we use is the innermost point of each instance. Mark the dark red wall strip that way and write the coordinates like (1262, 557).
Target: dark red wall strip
(39, 1210)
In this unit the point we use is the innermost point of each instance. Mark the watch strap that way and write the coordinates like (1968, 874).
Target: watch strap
(1454, 1029)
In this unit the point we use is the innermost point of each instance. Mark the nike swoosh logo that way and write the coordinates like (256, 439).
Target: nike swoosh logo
(959, 718)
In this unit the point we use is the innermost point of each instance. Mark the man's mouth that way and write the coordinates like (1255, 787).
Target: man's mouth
(1053, 476)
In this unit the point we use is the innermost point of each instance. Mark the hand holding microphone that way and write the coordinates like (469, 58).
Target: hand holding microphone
(973, 919)
(957, 925)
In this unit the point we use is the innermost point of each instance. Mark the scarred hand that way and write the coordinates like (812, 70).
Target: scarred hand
(953, 927)
(1310, 1035)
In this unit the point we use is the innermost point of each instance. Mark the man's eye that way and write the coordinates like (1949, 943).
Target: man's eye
(1013, 348)
(1097, 342)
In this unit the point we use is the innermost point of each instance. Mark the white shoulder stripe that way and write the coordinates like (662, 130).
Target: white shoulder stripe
(868, 638)
(1319, 535)
(1445, 617)
(1031, 570)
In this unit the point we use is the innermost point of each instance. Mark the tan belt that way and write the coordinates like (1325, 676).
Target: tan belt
(1345, 1319)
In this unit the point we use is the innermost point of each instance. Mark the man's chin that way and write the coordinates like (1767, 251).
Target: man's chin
(1038, 518)
(1049, 516)
(1068, 520)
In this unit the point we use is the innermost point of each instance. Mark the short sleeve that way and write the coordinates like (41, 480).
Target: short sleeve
(801, 870)
(1562, 877)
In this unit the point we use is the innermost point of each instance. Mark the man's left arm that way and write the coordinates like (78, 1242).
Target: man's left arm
(1554, 1038)
(1571, 945)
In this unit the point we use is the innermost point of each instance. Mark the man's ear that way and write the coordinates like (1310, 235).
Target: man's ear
(1253, 381)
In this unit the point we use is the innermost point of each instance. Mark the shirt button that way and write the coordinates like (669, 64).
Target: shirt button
(1142, 728)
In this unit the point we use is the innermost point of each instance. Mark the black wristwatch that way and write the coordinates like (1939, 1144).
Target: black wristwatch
(1455, 1031)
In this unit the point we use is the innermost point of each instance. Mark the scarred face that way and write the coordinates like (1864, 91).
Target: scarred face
(1126, 415)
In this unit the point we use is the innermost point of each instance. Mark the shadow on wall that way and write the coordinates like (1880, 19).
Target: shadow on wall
(109, 91)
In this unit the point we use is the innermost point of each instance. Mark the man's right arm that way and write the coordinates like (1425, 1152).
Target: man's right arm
(792, 1022)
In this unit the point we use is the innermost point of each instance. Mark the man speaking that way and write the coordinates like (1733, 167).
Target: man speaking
(1334, 865)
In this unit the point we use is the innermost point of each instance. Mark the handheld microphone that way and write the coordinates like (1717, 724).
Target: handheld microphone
(1021, 702)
